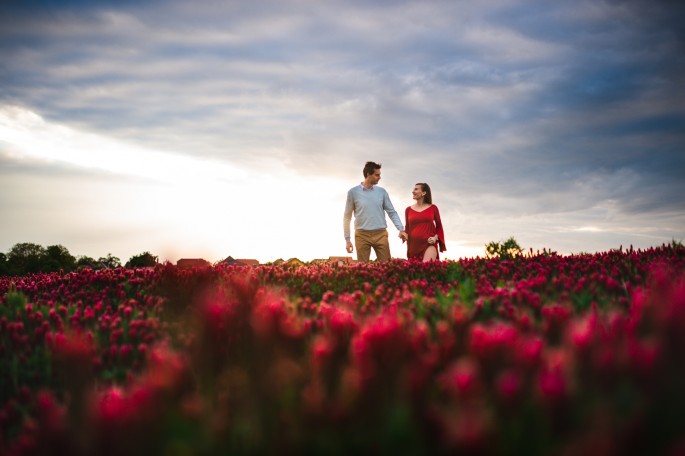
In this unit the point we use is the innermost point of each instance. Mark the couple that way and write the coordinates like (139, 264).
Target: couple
(368, 202)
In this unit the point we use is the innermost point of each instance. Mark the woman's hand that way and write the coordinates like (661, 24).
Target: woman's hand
(433, 239)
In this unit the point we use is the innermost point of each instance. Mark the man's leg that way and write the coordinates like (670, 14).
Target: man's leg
(362, 242)
(381, 245)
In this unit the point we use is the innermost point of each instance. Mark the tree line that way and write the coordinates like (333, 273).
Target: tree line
(27, 258)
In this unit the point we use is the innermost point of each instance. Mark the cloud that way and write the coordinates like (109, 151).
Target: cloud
(548, 115)
(29, 134)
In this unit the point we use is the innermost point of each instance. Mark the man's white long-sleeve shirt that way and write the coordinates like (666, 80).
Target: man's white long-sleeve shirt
(369, 207)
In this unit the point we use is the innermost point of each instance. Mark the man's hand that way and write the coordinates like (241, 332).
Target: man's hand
(349, 247)
(404, 236)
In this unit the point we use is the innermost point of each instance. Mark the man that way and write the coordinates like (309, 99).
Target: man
(369, 203)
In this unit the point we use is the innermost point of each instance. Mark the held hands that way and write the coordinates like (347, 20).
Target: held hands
(349, 247)
(431, 240)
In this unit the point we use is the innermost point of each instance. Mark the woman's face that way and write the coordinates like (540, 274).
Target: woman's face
(418, 193)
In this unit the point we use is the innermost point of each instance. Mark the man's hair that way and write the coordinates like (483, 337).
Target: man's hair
(370, 168)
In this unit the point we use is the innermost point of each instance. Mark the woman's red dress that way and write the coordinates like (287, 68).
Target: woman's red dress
(420, 226)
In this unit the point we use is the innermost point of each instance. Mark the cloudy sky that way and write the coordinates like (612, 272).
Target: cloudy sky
(223, 127)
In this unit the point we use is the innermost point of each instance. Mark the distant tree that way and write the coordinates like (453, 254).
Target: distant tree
(25, 258)
(83, 261)
(58, 257)
(142, 260)
(505, 250)
(4, 269)
(110, 261)
(547, 252)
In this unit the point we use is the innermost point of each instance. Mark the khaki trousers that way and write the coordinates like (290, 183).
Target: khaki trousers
(365, 240)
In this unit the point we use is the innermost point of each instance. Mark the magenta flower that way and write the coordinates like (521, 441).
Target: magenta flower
(462, 378)
(509, 385)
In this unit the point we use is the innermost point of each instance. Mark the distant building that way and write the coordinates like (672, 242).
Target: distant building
(341, 260)
(239, 261)
(185, 263)
(294, 262)
(228, 260)
(247, 261)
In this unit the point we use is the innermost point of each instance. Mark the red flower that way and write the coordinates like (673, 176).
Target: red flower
(74, 348)
(583, 331)
(552, 383)
(342, 323)
(509, 384)
(321, 349)
(487, 341)
(267, 314)
(461, 378)
(114, 407)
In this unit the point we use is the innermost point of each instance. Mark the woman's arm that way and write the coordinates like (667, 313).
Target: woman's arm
(438, 226)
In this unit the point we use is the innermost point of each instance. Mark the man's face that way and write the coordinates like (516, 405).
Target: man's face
(375, 177)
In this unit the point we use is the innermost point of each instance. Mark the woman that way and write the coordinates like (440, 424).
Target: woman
(423, 226)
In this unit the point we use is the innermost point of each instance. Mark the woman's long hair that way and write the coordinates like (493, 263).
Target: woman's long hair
(428, 198)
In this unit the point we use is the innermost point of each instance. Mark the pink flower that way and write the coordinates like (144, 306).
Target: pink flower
(552, 384)
(583, 331)
(341, 323)
(509, 384)
(644, 355)
(126, 352)
(167, 369)
(314, 397)
(321, 349)
(50, 413)
(113, 406)
(487, 341)
(267, 314)
(554, 317)
(447, 340)
(461, 378)
(460, 316)
(73, 348)
(380, 344)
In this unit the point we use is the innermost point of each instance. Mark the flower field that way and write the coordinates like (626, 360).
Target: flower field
(537, 355)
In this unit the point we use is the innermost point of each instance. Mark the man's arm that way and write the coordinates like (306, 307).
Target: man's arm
(347, 217)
